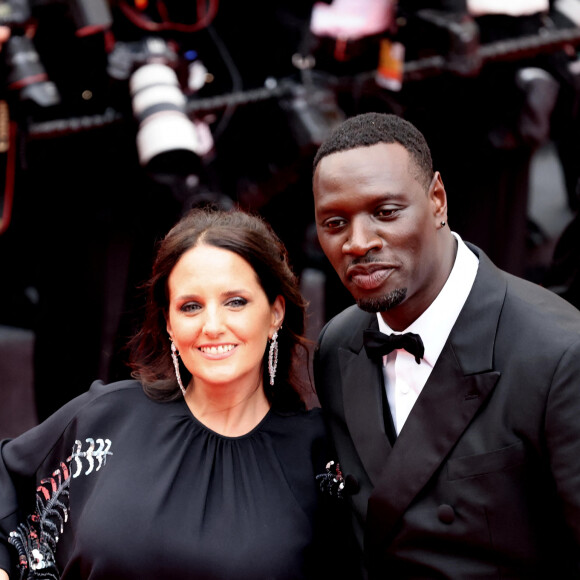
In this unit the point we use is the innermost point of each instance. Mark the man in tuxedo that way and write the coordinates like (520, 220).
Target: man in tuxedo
(458, 444)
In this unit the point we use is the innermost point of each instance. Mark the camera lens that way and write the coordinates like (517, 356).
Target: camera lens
(167, 140)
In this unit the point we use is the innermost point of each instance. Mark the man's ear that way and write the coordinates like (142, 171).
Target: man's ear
(438, 198)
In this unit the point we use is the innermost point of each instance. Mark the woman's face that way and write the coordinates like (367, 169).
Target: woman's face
(220, 318)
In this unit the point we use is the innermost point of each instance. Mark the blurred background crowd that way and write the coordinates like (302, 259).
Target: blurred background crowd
(117, 116)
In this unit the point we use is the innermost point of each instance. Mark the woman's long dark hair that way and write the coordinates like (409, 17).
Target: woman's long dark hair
(251, 238)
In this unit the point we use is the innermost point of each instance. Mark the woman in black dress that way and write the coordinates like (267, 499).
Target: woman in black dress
(204, 466)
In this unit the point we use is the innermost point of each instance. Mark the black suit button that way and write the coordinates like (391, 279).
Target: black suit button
(445, 514)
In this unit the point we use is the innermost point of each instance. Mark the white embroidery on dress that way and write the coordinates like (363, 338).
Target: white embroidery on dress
(35, 540)
(90, 454)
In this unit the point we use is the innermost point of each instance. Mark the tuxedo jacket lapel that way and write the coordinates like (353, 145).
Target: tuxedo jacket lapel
(461, 381)
(363, 408)
(447, 405)
(362, 399)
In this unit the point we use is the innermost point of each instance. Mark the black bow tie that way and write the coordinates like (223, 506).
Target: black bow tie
(378, 344)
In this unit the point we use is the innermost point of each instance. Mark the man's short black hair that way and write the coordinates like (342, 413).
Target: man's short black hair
(371, 128)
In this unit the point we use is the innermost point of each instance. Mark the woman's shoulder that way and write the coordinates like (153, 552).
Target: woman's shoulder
(300, 423)
(99, 388)
(121, 399)
(306, 415)
(101, 402)
(301, 443)
(88, 415)
(101, 394)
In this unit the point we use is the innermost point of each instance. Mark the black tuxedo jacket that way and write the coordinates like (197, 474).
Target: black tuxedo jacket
(484, 478)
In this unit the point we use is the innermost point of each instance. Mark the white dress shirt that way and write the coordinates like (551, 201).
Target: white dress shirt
(404, 378)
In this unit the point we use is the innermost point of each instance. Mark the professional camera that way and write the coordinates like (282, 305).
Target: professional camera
(26, 73)
(168, 141)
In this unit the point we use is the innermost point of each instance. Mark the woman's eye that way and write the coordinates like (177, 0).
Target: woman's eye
(237, 302)
(190, 307)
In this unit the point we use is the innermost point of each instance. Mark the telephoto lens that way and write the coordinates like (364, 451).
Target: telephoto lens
(167, 140)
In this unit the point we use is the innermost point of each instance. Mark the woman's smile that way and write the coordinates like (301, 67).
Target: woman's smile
(217, 350)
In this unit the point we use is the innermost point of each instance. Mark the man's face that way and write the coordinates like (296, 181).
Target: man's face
(378, 226)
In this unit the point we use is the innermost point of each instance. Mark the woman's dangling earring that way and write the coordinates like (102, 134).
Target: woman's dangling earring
(174, 355)
(273, 357)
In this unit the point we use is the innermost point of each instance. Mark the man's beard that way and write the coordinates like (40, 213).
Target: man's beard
(383, 303)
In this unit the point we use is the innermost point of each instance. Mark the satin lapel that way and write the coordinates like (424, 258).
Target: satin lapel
(363, 409)
(460, 383)
(445, 408)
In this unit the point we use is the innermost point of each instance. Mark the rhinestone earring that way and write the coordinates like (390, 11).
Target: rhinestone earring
(174, 355)
(273, 357)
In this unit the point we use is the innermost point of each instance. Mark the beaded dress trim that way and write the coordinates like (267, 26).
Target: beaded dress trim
(36, 539)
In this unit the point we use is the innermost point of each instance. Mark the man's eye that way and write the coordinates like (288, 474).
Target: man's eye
(386, 212)
(333, 224)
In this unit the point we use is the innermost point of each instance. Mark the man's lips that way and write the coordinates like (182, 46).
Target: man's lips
(369, 276)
